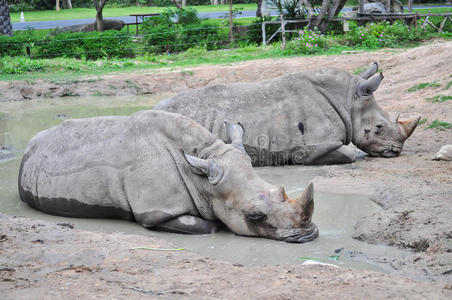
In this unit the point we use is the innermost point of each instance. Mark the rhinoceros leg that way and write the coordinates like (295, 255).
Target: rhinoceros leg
(341, 155)
(189, 225)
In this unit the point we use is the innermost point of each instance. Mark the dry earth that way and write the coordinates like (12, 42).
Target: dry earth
(41, 260)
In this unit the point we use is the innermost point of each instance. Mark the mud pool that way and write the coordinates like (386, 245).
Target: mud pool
(335, 214)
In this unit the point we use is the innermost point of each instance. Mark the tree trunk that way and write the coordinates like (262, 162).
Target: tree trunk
(231, 34)
(99, 21)
(318, 19)
(99, 5)
(259, 9)
(5, 21)
(68, 4)
(309, 9)
(184, 3)
(177, 3)
(57, 5)
(328, 9)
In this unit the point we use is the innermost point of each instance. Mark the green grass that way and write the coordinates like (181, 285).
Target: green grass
(422, 121)
(441, 125)
(432, 10)
(448, 85)
(439, 98)
(423, 85)
(85, 13)
(72, 69)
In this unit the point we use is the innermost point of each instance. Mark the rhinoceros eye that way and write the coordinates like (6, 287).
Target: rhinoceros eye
(255, 217)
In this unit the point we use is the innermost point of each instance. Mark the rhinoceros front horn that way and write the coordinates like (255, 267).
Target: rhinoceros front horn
(306, 200)
(367, 87)
(369, 72)
(407, 126)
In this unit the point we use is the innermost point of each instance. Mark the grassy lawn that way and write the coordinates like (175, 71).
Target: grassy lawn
(89, 13)
(433, 10)
(70, 68)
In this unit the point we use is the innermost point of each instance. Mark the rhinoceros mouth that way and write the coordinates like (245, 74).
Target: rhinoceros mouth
(306, 235)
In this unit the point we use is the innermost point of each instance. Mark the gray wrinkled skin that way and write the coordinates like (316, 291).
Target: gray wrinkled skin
(300, 118)
(162, 170)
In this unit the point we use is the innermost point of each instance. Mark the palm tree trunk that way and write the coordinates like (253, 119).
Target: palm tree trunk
(5, 21)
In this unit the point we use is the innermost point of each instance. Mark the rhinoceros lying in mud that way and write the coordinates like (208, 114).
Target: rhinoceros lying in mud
(162, 170)
(301, 118)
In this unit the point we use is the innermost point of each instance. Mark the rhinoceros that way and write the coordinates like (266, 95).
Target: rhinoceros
(162, 170)
(300, 118)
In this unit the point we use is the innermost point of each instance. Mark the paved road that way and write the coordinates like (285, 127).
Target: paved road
(128, 19)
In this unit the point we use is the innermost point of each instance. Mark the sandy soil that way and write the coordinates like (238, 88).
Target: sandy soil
(46, 260)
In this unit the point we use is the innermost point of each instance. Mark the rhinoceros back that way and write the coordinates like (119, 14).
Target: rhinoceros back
(74, 168)
(291, 119)
(120, 167)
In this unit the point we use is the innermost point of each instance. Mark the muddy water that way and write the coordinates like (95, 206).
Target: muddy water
(335, 214)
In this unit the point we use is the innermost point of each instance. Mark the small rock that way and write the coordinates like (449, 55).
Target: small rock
(67, 225)
(26, 92)
(445, 153)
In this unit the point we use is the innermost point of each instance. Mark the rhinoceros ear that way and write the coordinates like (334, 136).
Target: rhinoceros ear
(234, 134)
(207, 167)
(369, 72)
(367, 87)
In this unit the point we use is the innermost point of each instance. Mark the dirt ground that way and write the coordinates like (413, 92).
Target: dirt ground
(39, 260)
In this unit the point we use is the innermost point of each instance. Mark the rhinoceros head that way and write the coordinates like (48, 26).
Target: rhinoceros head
(375, 131)
(247, 204)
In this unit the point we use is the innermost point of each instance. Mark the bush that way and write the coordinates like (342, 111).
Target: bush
(61, 45)
(184, 16)
(161, 34)
(308, 42)
(377, 35)
(92, 45)
(109, 43)
(197, 35)
(16, 45)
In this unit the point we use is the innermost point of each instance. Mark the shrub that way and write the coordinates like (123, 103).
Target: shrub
(16, 45)
(184, 16)
(61, 45)
(385, 34)
(308, 42)
(109, 43)
(197, 34)
(161, 34)
(92, 45)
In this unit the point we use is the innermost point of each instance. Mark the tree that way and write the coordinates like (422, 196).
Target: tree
(259, 9)
(279, 4)
(99, 5)
(57, 6)
(329, 9)
(5, 21)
